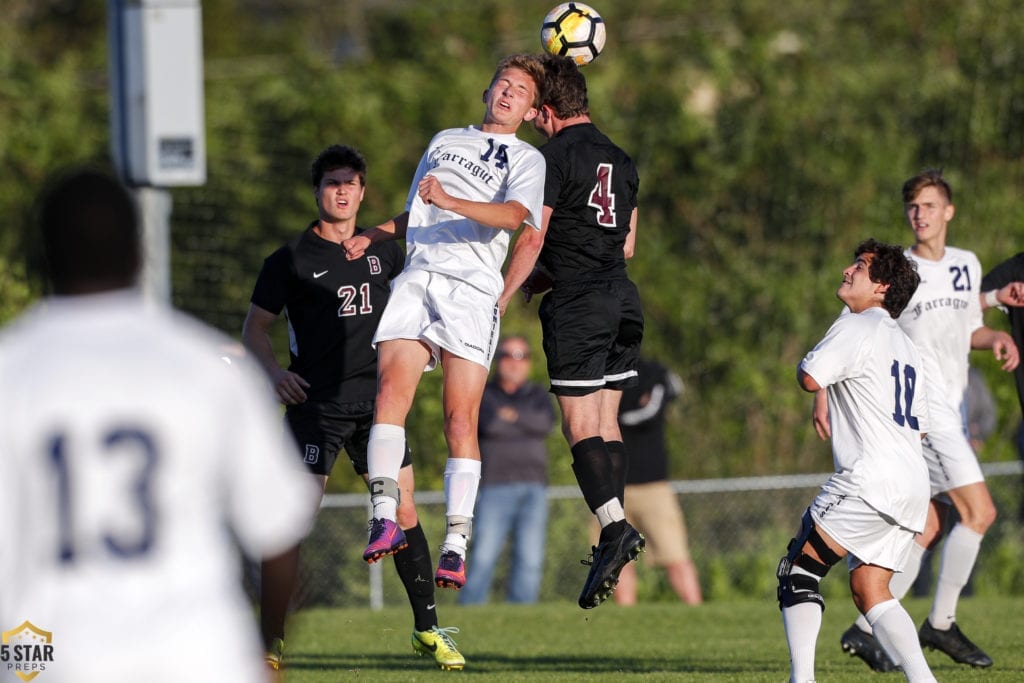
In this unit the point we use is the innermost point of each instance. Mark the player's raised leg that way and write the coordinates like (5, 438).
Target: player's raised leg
(400, 366)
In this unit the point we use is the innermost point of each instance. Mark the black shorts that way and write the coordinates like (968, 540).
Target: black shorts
(592, 334)
(322, 429)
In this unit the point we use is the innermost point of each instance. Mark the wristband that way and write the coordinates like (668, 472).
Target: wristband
(992, 298)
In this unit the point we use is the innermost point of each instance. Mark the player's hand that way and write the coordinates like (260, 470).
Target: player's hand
(819, 415)
(1005, 350)
(290, 387)
(1012, 294)
(355, 246)
(431, 192)
(538, 283)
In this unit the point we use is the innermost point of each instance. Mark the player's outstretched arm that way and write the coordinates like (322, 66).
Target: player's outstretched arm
(1001, 343)
(355, 247)
(1011, 294)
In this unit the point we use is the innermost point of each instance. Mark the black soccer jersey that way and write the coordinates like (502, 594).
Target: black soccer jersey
(592, 186)
(332, 306)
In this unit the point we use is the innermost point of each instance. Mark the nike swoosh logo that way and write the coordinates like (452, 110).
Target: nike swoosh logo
(432, 646)
(430, 607)
(319, 275)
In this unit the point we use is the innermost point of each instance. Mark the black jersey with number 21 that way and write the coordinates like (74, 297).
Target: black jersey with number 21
(333, 306)
(592, 186)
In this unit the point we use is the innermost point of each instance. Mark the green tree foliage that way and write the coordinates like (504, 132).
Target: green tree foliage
(771, 138)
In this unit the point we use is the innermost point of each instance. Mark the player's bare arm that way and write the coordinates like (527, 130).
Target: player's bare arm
(819, 415)
(806, 382)
(256, 337)
(524, 257)
(500, 215)
(393, 229)
(1011, 294)
(1001, 343)
(630, 247)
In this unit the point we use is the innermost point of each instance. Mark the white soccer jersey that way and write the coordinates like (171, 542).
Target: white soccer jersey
(481, 167)
(877, 412)
(132, 460)
(940, 319)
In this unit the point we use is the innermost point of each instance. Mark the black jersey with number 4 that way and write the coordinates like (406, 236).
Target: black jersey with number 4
(333, 306)
(592, 186)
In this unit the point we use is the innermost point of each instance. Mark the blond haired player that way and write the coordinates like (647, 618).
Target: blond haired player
(474, 187)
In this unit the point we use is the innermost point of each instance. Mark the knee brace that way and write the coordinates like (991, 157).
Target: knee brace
(803, 587)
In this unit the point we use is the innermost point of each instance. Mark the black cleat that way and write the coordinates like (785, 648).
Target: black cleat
(954, 643)
(606, 562)
(857, 643)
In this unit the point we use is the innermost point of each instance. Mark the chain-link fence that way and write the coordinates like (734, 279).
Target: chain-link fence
(738, 529)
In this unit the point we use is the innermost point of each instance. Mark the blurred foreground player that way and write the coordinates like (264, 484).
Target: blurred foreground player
(133, 459)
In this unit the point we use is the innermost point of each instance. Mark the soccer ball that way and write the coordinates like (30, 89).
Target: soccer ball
(575, 30)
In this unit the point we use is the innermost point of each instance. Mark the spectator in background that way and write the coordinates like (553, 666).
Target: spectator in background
(651, 505)
(516, 416)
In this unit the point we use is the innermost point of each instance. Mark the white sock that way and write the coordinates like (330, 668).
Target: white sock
(461, 481)
(802, 623)
(959, 553)
(385, 451)
(610, 511)
(895, 632)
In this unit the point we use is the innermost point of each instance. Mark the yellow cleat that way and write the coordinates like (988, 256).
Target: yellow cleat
(438, 643)
(275, 656)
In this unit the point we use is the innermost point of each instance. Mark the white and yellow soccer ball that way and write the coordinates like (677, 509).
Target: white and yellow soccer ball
(575, 30)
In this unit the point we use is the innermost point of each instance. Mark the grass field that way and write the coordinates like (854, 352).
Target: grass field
(719, 641)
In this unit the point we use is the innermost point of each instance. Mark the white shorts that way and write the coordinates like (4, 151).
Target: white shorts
(869, 536)
(952, 462)
(444, 313)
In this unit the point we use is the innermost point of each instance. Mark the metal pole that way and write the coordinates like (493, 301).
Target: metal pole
(154, 204)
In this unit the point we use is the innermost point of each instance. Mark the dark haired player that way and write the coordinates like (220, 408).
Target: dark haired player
(134, 464)
(592, 319)
(332, 306)
(944, 321)
(876, 502)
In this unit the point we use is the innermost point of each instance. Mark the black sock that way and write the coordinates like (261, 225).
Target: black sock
(416, 571)
(592, 466)
(620, 467)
